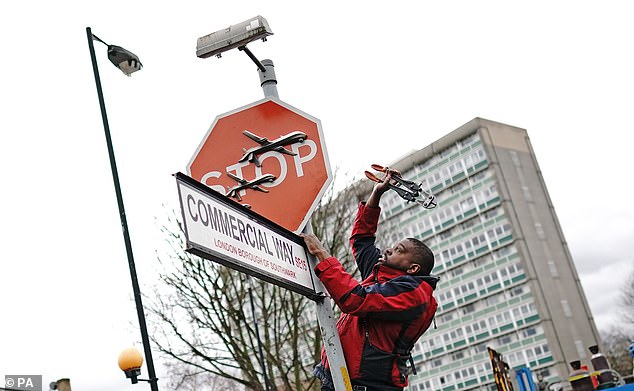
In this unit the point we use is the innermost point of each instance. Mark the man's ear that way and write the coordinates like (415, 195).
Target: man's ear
(413, 269)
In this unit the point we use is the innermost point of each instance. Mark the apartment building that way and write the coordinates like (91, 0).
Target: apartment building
(508, 280)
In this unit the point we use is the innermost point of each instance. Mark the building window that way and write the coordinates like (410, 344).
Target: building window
(527, 193)
(479, 348)
(553, 269)
(503, 252)
(515, 158)
(447, 317)
(529, 332)
(491, 214)
(457, 356)
(516, 291)
(468, 309)
(445, 235)
(566, 308)
(505, 340)
(540, 231)
(468, 224)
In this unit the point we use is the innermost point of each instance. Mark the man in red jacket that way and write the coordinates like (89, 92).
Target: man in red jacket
(385, 314)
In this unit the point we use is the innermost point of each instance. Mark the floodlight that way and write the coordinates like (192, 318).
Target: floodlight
(235, 36)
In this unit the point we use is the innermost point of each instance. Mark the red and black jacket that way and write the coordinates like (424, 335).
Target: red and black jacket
(383, 316)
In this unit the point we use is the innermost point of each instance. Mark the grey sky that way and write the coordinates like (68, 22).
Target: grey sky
(383, 77)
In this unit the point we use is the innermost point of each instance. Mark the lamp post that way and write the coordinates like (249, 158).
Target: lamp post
(128, 63)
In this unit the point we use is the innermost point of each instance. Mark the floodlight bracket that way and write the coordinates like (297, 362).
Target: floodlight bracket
(252, 57)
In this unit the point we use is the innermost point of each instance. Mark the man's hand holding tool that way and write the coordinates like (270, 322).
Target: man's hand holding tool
(408, 190)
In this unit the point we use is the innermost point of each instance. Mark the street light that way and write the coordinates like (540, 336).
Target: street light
(128, 63)
(130, 361)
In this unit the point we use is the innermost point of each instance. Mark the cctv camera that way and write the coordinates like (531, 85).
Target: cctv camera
(234, 36)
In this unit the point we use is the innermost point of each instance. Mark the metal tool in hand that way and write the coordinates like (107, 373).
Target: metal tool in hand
(408, 190)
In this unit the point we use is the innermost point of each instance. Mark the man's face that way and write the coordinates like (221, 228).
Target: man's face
(401, 257)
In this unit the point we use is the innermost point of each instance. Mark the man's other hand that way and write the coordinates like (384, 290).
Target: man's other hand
(315, 247)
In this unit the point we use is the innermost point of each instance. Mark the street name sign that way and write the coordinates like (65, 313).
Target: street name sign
(224, 231)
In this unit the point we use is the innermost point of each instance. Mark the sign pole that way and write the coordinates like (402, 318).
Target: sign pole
(249, 281)
(328, 328)
(325, 314)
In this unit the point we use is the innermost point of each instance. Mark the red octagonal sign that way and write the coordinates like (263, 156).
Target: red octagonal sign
(268, 155)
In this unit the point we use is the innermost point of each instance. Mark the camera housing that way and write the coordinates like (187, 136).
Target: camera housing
(234, 36)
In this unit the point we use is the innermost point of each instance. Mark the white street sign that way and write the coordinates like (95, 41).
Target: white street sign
(224, 231)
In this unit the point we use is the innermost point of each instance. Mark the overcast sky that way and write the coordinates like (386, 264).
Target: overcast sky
(384, 78)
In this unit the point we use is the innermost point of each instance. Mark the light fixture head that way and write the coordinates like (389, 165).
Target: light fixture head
(232, 37)
(130, 361)
(124, 59)
(130, 358)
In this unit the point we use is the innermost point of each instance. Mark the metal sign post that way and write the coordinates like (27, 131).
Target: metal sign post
(328, 328)
(304, 185)
(325, 314)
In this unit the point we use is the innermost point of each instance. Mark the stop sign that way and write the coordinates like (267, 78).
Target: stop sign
(268, 155)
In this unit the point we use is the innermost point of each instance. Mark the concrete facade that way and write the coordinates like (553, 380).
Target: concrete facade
(508, 280)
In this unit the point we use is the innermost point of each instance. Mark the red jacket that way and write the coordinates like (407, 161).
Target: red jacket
(384, 316)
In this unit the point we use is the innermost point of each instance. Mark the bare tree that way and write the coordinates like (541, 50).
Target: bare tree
(617, 338)
(332, 221)
(202, 321)
(201, 317)
(616, 342)
(627, 301)
(187, 378)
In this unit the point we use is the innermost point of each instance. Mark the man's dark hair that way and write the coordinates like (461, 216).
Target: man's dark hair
(423, 256)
